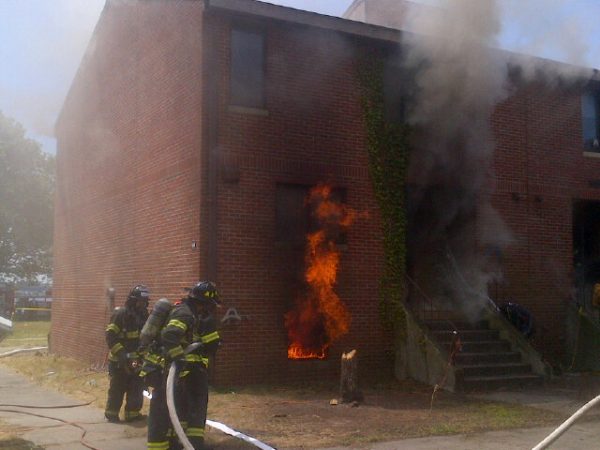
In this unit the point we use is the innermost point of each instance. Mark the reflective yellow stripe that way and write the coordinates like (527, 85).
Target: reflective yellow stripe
(194, 432)
(113, 327)
(132, 334)
(175, 351)
(131, 414)
(116, 348)
(158, 445)
(177, 323)
(210, 337)
(184, 373)
(153, 358)
(133, 355)
(111, 413)
(196, 359)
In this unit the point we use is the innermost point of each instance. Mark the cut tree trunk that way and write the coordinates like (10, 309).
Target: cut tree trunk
(349, 391)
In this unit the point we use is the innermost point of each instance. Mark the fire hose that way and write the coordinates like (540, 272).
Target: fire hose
(567, 424)
(175, 419)
(22, 350)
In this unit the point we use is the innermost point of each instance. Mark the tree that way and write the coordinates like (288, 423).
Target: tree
(27, 180)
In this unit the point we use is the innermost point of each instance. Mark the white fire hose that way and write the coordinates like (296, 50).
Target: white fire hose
(567, 424)
(172, 411)
(22, 350)
(175, 419)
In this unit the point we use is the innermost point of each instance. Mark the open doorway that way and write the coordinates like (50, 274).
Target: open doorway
(586, 251)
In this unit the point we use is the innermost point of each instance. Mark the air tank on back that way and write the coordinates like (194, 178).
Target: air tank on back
(155, 321)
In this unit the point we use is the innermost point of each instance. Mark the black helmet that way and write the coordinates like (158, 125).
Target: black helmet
(139, 292)
(205, 291)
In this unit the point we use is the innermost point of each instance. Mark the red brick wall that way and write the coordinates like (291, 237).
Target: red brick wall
(133, 190)
(310, 131)
(128, 195)
(540, 170)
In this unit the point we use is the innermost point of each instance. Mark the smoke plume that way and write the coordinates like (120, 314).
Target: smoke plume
(459, 81)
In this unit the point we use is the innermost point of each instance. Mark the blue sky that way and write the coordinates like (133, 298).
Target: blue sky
(42, 42)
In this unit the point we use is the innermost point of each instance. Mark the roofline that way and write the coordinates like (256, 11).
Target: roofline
(84, 57)
(260, 8)
(298, 16)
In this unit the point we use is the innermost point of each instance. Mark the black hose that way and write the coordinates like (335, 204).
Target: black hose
(77, 405)
(73, 424)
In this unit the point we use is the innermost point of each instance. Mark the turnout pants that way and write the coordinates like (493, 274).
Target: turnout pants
(123, 384)
(191, 400)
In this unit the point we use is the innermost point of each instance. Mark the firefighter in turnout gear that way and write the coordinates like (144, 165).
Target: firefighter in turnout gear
(191, 320)
(122, 338)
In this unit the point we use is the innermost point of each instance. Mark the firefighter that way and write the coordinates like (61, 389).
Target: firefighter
(122, 337)
(190, 320)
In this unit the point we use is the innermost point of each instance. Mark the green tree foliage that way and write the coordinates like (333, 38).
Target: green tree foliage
(27, 180)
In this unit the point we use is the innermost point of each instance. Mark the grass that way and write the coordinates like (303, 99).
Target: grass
(28, 334)
(300, 416)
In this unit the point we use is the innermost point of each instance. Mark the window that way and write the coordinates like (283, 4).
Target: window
(291, 214)
(247, 68)
(398, 88)
(590, 114)
(393, 93)
(295, 217)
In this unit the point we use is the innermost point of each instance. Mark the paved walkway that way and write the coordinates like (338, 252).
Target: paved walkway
(55, 435)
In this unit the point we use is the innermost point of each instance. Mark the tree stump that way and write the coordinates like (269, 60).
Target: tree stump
(349, 391)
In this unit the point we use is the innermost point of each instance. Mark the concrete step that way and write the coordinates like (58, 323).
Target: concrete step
(478, 370)
(493, 346)
(466, 358)
(462, 325)
(466, 335)
(487, 383)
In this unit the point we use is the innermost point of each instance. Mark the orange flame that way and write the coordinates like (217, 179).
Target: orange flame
(320, 317)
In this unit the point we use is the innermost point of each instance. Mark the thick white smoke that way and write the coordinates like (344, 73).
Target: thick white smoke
(461, 76)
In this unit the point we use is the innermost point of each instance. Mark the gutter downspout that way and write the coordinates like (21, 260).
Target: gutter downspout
(211, 105)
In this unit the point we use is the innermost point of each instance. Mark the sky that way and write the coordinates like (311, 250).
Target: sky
(42, 43)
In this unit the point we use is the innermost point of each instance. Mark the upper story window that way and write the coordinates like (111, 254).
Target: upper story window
(590, 114)
(247, 78)
(394, 88)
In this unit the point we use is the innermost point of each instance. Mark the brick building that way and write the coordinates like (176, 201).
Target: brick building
(193, 130)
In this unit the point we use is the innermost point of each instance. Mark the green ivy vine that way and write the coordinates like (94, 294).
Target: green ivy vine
(388, 150)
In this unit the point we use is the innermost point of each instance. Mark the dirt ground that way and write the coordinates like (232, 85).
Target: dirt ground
(301, 416)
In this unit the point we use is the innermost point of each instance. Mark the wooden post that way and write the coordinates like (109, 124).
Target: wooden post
(349, 391)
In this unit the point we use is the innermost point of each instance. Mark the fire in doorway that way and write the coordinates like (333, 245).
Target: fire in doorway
(319, 316)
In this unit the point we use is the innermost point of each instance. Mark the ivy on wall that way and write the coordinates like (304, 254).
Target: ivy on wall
(388, 150)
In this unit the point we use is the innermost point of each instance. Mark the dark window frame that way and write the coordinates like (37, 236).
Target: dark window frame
(242, 99)
(591, 132)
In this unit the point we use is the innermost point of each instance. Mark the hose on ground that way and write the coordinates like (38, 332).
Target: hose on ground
(22, 350)
(73, 424)
(567, 424)
(75, 405)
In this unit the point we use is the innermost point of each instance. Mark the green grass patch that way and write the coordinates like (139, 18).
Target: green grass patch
(28, 334)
